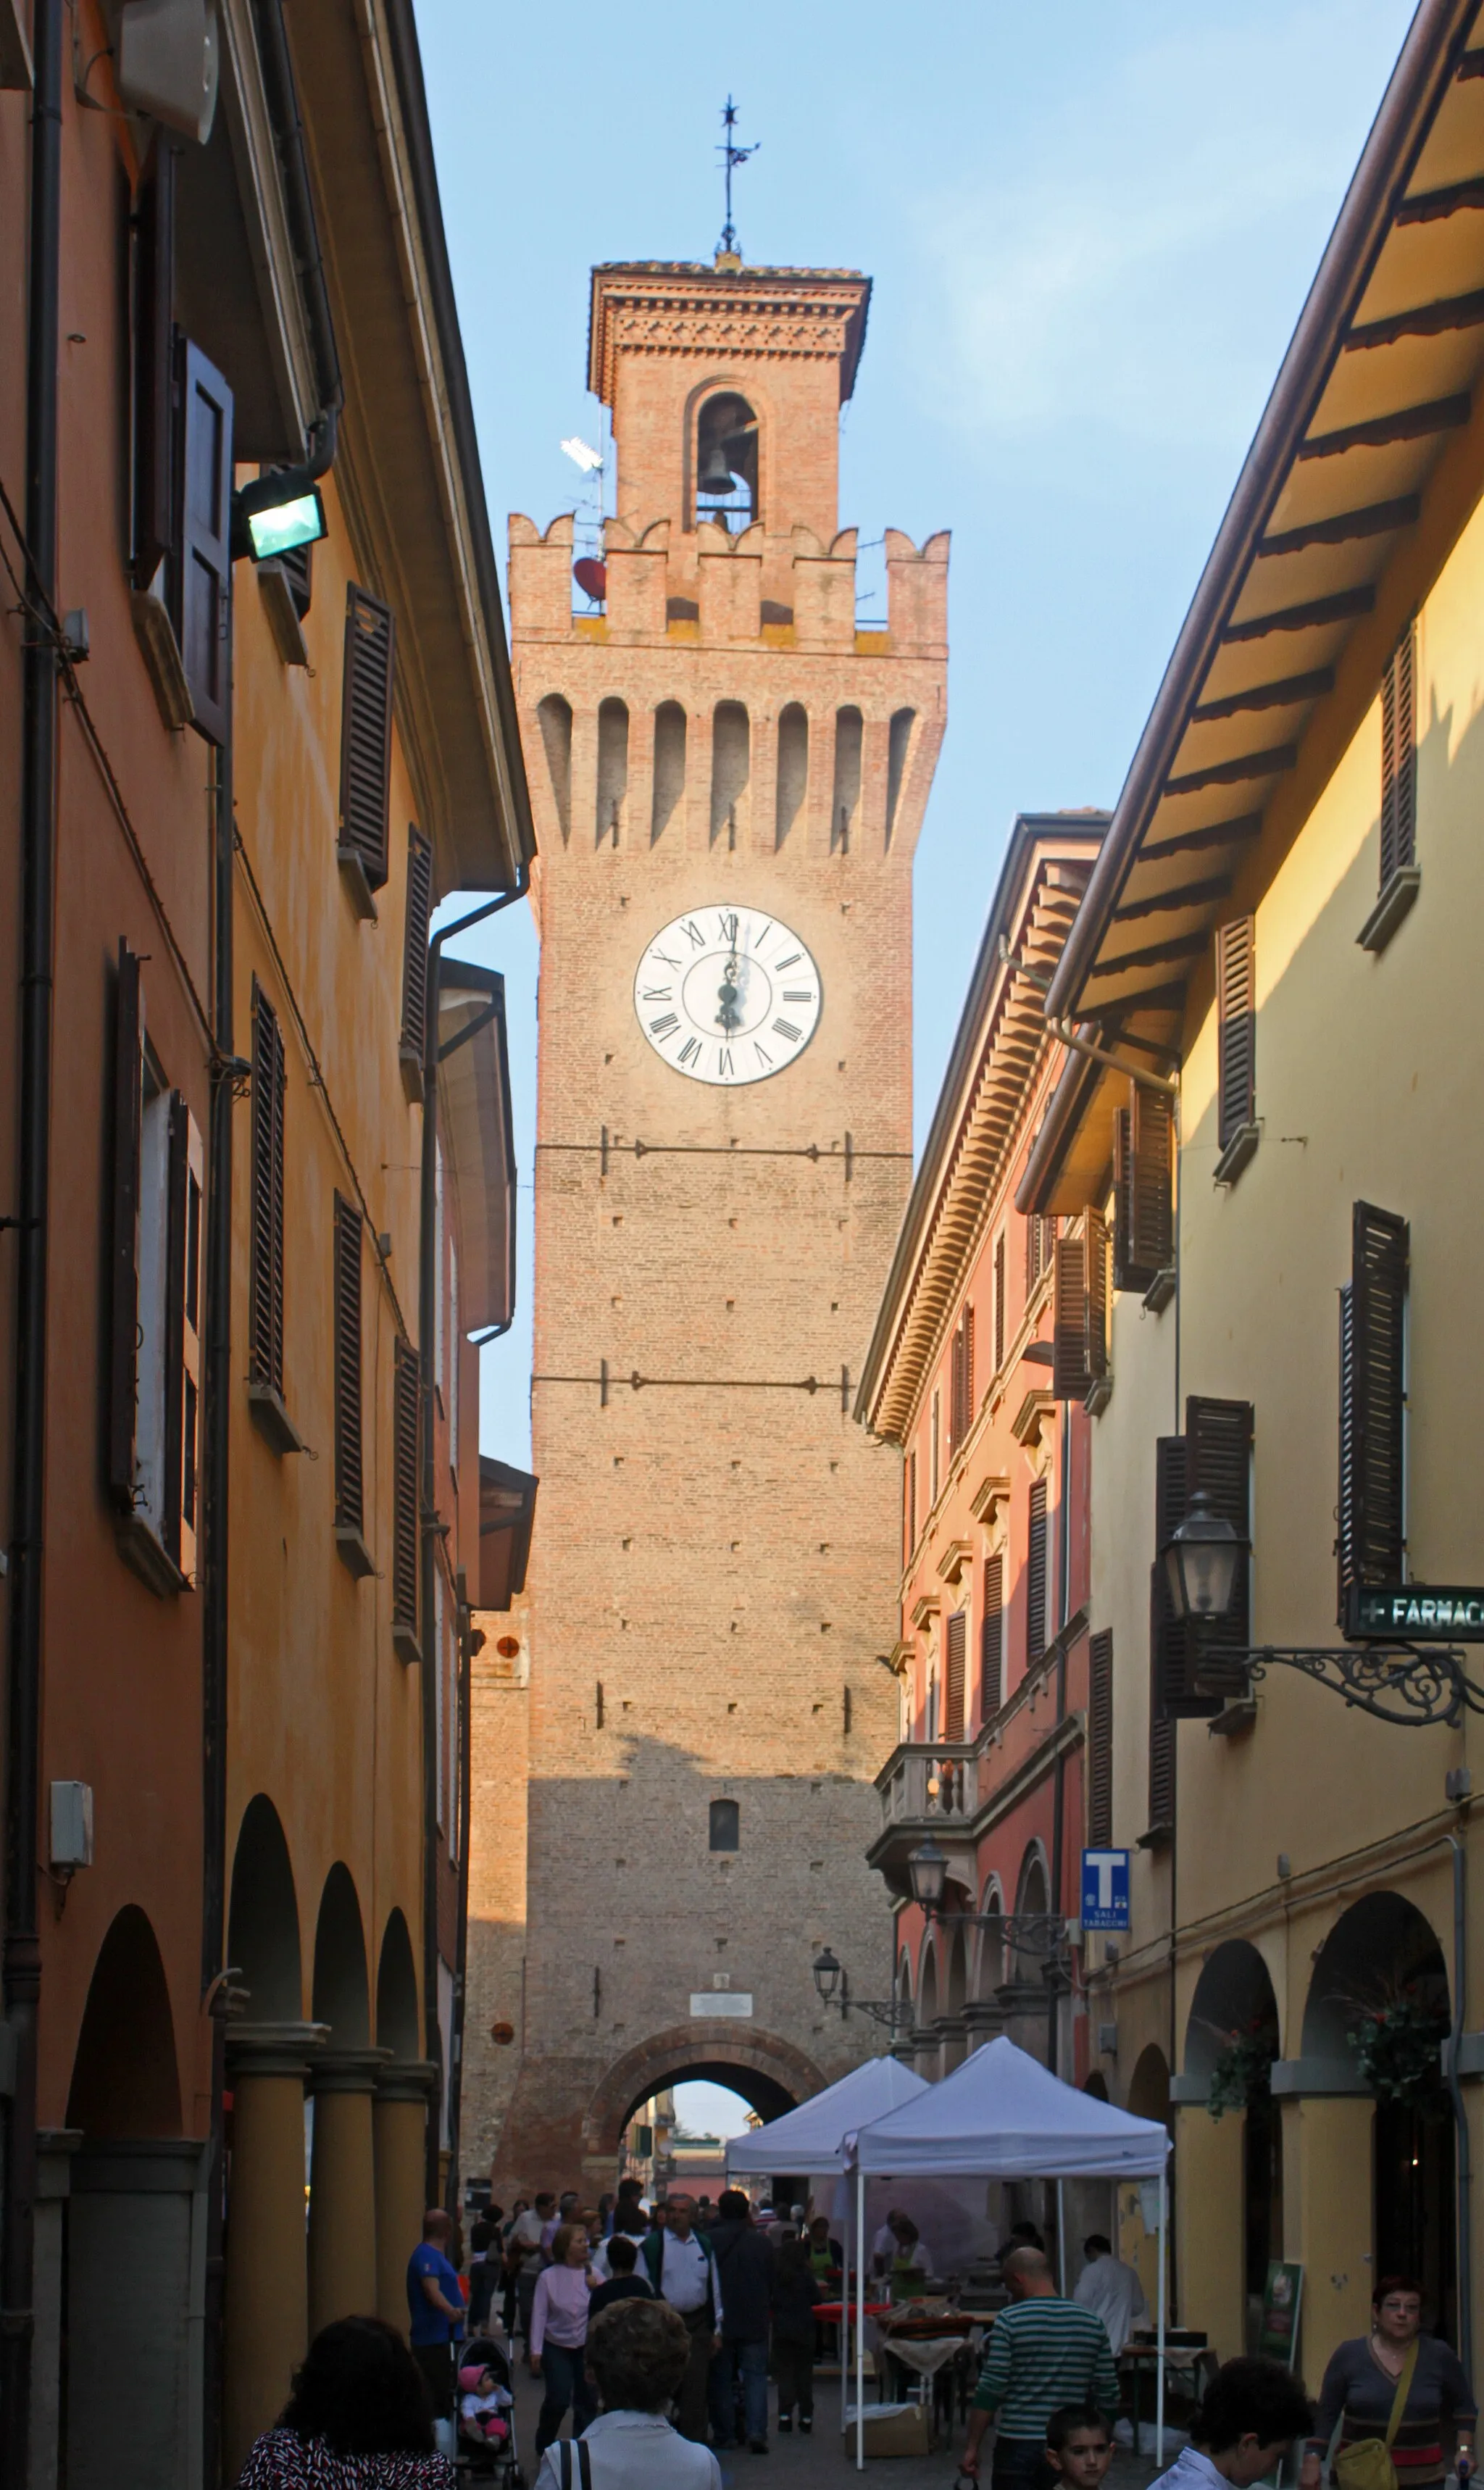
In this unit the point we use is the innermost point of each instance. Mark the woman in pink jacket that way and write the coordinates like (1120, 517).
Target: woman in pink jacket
(559, 2334)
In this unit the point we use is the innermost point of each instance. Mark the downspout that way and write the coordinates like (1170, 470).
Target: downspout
(461, 1939)
(1463, 2171)
(21, 1954)
(1059, 1786)
(431, 1528)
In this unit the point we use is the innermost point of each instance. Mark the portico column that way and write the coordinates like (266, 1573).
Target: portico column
(953, 2032)
(266, 2320)
(983, 2021)
(55, 2147)
(926, 2051)
(342, 2186)
(1210, 2247)
(400, 2126)
(1328, 2215)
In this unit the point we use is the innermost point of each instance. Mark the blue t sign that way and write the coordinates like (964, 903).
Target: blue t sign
(1105, 1889)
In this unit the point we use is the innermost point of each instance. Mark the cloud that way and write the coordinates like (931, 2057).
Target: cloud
(1132, 261)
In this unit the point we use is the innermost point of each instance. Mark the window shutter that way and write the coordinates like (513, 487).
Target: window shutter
(182, 1346)
(1372, 1399)
(1218, 1454)
(1040, 1241)
(999, 1303)
(419, 907)
(298, 568)
(1399, 757)
(992, 1639)
(1096, 1299)
(270, 1081)
(1035, 1576)
(348, 1507)
(123, 1292)
(153, 364)
(968, 1403)
(1143, 1222)
(1169, 1691)
(955, 1671)
(1100, 1741)
(365, 731)
(1161, 1773)
(404, 1501)
(204, 563)
(1236, 1027)
(1069, 1377)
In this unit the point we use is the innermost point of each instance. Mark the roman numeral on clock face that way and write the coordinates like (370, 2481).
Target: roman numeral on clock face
(690, 1051)
(724, 1062)
(763, 1056)
(786, 1029)
(665, 1025)
(691, 929)
(796, 995)
(656, 995)
(792, 962)
(728, 925)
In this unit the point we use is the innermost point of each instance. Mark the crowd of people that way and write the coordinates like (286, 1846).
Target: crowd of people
(655, 2329)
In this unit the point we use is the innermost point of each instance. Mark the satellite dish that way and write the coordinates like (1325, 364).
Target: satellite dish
(592, 578)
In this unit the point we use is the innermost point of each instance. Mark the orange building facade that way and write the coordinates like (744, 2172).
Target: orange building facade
(985, 1359)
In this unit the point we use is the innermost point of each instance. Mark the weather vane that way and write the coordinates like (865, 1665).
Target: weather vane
(732, 156)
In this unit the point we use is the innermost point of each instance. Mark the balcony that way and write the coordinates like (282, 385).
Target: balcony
(926, 1789)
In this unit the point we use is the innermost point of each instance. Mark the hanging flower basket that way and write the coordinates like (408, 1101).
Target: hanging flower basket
(1242, 2073)
(1396, 2045)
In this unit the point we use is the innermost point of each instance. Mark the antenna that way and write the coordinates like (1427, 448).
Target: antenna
(732, 156)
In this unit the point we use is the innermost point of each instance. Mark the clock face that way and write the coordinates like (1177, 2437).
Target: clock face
(727, 994)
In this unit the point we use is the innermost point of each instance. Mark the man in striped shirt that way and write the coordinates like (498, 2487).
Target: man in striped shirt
(1044, 2352)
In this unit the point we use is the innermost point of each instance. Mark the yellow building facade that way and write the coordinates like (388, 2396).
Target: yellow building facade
(1269, 990)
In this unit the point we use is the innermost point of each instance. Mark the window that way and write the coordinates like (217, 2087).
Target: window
(725, 1824)
(405, 1393)
(726, 454)
(1214, 1455)
(956, 1651)
(961, 1380)
(1237, 1048)
(154, 374)
(911, 1508)
(413, 1045)
(731, 770)
(1000, 1323)
(203, 574)
(792, 768)
(1371, 1543)
(265, 1283)
(554, 716)
(1035, 1576)
(934, 1449)
(612, 771)
(1143, 1210)
(366, 742)
(846, 805)
(349, 1514)
(669, 766)
(1399, 758)
(1080, 1309)
(1101, 1742)
(992, 1639)
(1041, 1238)
(154, 1379)
(898, 742)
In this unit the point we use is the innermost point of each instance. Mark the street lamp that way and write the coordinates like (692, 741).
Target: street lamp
(927, 1868)
(826, 1975)
(1201, 1562)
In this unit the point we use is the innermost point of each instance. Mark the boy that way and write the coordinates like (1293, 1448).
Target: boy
(1243, 2426)
(623, 2283)
(1079, 2447)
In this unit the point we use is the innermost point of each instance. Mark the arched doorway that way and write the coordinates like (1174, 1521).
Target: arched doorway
(136, 2228)
(342, 2169)
(263, 1921)
(1231, 2040)
(268, 2059)
(1379, 1979)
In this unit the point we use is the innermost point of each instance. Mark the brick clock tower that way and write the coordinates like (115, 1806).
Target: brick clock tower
(730, 778)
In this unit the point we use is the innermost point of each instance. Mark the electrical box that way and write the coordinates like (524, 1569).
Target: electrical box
(71, 1824)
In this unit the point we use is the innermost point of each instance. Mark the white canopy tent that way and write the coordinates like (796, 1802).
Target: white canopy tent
(1002, 2115)
(809, 2141)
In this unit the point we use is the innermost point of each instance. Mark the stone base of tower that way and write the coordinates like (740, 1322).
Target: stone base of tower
(566, 2118)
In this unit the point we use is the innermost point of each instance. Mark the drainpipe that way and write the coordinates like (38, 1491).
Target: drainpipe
(1059, 1786)
(22, 1956)
(432, 1528)
(466, 1647)
(1462, 2172)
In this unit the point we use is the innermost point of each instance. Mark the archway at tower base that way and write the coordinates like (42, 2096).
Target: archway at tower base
(770, 2074)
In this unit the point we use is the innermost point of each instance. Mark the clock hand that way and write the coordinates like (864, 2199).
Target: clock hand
(728, 995)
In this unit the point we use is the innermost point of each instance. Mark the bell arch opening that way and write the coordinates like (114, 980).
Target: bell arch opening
(726, 461)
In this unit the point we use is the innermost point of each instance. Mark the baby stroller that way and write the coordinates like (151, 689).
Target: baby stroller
(485, 2453)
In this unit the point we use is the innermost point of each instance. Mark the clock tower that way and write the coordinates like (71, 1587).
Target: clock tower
(729, 777)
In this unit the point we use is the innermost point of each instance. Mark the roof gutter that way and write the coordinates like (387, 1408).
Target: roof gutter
(1417, 84)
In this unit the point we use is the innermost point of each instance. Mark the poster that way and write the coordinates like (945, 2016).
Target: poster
(1278, 2338)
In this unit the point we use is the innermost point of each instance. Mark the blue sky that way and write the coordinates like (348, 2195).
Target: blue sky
(1091, 229)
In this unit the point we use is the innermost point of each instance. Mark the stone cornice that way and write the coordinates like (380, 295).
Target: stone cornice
(673, 308)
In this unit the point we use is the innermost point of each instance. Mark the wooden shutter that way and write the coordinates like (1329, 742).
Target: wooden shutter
(203, 603)
(154, 364)
(1069, 1377)
(1236, 1027)
(969, 1401)
(124, 1255)
(182, 1346)
(999, 1303)
(1219, 1458)
(956, 1642)
(419, 907)
(265, 1301)
(1371, 1540)
(348, 1504)
(298, 568)
(1169, 1690)
(365, 731)
(1161, 1773)
(1095, 1294)
(1040, 1239)
(1035, 1576)
(1101, 1742)
(992, 1639)
(1145, 1146)
(1399, 757)
(404, 1499)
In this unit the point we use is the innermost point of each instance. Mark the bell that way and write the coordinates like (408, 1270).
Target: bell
(715, 477)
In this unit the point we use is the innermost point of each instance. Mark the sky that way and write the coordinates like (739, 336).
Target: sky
(1089, 228)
